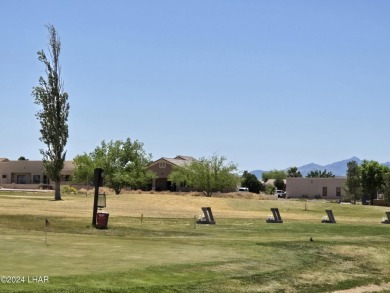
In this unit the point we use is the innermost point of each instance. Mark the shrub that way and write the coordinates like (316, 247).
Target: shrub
(269, 189)
(251, 182)
(68, 189)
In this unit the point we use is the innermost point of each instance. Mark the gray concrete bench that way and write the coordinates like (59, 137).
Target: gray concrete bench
(207, 217)
(276, 216)
(330, 218)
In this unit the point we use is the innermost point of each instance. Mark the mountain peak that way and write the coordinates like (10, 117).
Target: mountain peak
(354, 158)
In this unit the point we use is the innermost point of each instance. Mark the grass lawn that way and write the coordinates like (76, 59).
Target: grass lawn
(168, 253)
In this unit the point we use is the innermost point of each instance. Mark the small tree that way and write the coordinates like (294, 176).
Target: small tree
(53, 116)
(269, 189)
(124, 164)
(84, 169)
(371, 178)
(279, 184)
(207, 175)
(250, 180)
(386, 185)
(352, 186)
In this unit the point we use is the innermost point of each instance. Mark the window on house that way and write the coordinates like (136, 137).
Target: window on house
(21, 179)
(4, 176)
(324, 191)
(338, 191)
(65, 177)
(162, 165)
(45, 180)
(36, 179)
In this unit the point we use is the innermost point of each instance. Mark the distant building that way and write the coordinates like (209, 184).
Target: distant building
(163, 167)
(324, 188)
(26, 174)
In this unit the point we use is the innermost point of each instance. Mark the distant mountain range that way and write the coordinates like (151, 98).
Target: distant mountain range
(337, 168)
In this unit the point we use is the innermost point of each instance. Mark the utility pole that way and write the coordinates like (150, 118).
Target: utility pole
(98, 181)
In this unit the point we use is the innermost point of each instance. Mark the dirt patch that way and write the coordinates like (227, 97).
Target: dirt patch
(369, 288)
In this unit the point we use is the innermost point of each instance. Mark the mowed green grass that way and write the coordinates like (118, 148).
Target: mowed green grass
(168, 253)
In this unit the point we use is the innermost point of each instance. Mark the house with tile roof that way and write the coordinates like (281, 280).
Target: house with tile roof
(163, 167)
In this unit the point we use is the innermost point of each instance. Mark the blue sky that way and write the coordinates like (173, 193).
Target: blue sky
(268, 84)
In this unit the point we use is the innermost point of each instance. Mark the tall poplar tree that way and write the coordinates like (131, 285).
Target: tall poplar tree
(353, 187)
(54, 111)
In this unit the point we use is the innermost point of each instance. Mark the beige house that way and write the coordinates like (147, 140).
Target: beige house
(26, 174)
(324, 188)
(163, 168)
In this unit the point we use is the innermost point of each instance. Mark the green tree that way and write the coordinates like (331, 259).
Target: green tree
(84, 169)
(207, 175)
(352, 187)
(319, 174)
(53, 115)
(279, 184)
(386, 185)
(371, 178)
(250, 180)
(273, 174)
(293, 172)
(269, 189)
(124, 164)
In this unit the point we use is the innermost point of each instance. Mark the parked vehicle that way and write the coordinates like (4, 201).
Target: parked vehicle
(243, 189)
(280, 193)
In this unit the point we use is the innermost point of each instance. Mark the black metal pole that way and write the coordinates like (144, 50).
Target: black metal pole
(97, 180)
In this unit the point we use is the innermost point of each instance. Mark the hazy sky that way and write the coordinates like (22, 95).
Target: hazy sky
(268, 84)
